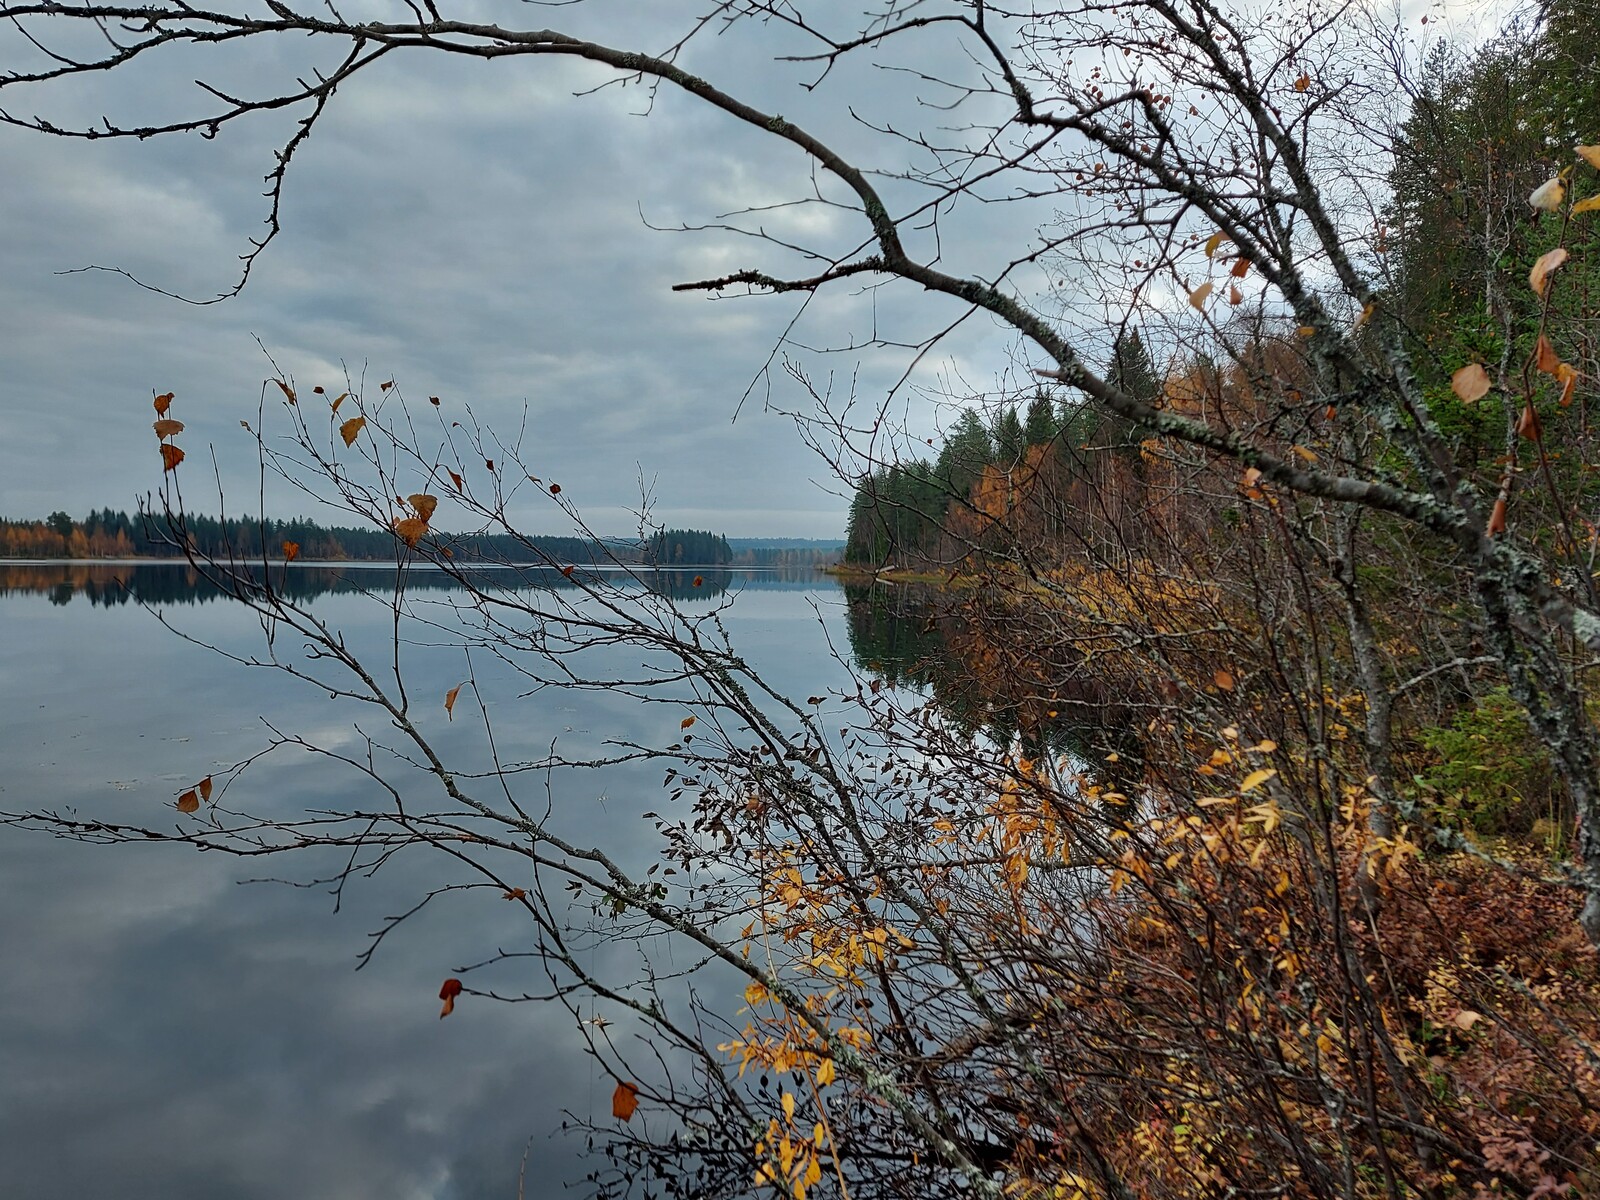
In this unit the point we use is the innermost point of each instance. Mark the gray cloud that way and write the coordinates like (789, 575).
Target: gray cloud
(473, 230)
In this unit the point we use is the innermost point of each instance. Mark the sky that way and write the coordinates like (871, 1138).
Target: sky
(477, 232)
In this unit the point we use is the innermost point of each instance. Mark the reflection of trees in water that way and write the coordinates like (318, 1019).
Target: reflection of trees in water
(929, 639)
(106, 585)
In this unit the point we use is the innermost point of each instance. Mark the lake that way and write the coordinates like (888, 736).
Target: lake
(168, 1031)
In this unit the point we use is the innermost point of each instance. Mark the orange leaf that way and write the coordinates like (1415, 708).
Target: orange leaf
(351, 430)
(338, 400)
(1223, 680)
(1235, 296)
(568, 570)
(1569, 378)
(1241, 267)
(1302, 83)
(424, 504)
(163, 402)
(189, 801)
(686, 723)
(455, 479)
(1497, 518)
(410, 530)
(166, 427)
(1546, 263)
(624, 1101)
(514, 894)
(1528, 425)
(450, 700)
(205, 789)
(1470, 383)
(698, 580)
(171, 456)
(288, 392)
(291, 551)
(1545, 357)
(448, 993)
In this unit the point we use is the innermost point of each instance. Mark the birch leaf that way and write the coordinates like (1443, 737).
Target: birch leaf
(1470, 383)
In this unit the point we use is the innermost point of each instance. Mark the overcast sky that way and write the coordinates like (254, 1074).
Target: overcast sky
(476, 232)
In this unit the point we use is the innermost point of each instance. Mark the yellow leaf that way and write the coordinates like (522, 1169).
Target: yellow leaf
(1588, 204)
(1547, 262)
(755, 992)
(1212, 243)
(1197, 298)
(1256, 778)
(351, 430)
(1366, 313)
(1306, 331)
(1303, 454)
(825, 1072)
(1470, 383)
(1590, 155)
(338, 400)
(788, 1105)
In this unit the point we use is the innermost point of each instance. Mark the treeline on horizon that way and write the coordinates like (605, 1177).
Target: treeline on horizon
(106, 533)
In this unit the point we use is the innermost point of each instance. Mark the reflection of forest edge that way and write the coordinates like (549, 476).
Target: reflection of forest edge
(107, 585)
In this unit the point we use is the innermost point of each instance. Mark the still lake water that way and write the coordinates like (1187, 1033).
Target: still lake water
(168, 1032)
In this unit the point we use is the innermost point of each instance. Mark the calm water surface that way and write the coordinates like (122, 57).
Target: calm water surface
(168, 1032)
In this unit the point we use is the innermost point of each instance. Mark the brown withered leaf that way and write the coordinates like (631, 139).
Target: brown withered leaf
(1302, 83)
(410, 530)
(433, 400)
(204, 787)
(1568, 374)
(686, 723)
(189, 801)
(351, 430)
(1241, 267)
(624, 1101)
(698, 580)
(171, 456)
(288, 392)
(1545, 357)
(291, 551)
(1528, 425)
(1235, 296)
(1470, 383)
(424, 504)
(1550, 260)
(384, 387)
(1223, 679)
(1497, 518)
(455, 479)
(166, 427)
(514, 894)
(163, 402)
(338, 400)
(448, 993)
(450, 700)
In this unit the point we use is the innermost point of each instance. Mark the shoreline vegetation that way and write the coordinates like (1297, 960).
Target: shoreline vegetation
(106, 535)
